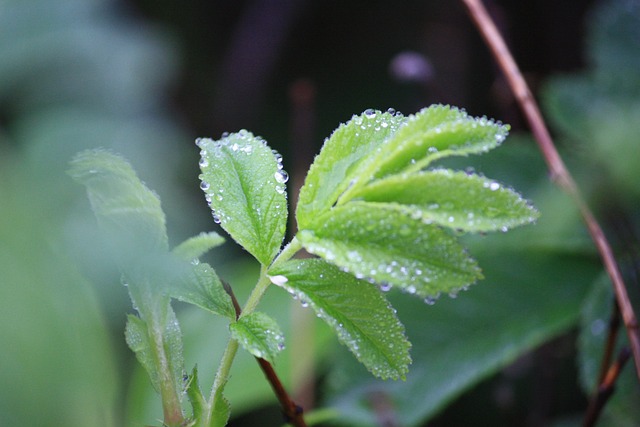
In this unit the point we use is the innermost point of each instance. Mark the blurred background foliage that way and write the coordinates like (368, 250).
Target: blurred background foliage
(144, 78)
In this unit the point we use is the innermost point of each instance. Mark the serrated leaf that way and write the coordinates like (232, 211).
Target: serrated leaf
(244, 182)
(337, 164)
(433, 133)
(200, 286)
(197, 400)
(221, 410)
(128, 212)
(458, 343)
(259, 334)
(196, 246)
(452, 199)
(381, 243)
(356, 310)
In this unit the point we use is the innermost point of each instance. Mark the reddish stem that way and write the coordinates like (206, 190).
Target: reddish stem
(559, 172)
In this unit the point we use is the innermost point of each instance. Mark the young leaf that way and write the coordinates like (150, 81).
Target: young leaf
(197, 400)
(336, 166)
(245, 186)
(197, 246)
(200, 286)
(452, 199)
(356, 310)
(433, 133)
(259, 334)
(128, 212)
(378, 242)
(137, 339)
(221, 410)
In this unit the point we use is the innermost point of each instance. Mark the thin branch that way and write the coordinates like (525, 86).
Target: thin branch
(292, 412)
(610, 345)
(605, 389)
(557, 168)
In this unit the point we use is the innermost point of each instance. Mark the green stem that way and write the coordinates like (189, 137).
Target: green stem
(232, 346)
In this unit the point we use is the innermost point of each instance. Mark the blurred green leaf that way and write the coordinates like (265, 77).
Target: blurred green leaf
(356, 310)
(128, 213)
(379, 242)
(452, 199)
(244, 183)
(259, 334)
(196, 246)
(200, 286)
(339, 160)
(137, 336)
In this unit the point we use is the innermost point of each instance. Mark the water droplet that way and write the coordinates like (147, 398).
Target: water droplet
(280, 189)
(281, 176)
(203, 162)
(430, 300)
(385, 287)
(304, 303)
(224, 134)
(280, 346)
(278, 280)
(370, 113)
(391, 111)
(432, 150)
(195, 261)
(216, 218)
(204, 186)
(411, 289)
(494, 186)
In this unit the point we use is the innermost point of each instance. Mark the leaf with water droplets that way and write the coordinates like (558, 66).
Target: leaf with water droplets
(129, 214)
(339, 160)
(259, 334)
(199, 285)
(433, 133)
(245, 186)
(456, 200)
(196, 246)
(381, 243)
(356, 310)
(197, 400)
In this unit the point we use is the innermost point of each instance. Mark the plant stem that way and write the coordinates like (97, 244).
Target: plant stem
(559, 172)
(222, 375)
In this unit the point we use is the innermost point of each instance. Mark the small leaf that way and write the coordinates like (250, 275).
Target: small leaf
(356, 310)
(197, 246)
(245, 185)
(201, 287)
(259, 334)
(221, 410)
(337, 164)
(381, 243)
(197, 400)
(137, 339)
(452, 199)
(128, 212)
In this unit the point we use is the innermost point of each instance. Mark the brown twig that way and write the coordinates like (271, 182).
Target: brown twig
(557, 168)
(610, 345)
(292, 412)
(605, 389)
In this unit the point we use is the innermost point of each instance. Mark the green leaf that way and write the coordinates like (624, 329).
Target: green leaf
(259, 334)
(433, 133)
(197, 246)
(356, 310)
(245, 185)
(221, 410)
(128, 213)
(200, 286)
(452, 199)
(197, 400)
(381, 243)
(337, 164)
(136, 334)
(457, 343)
